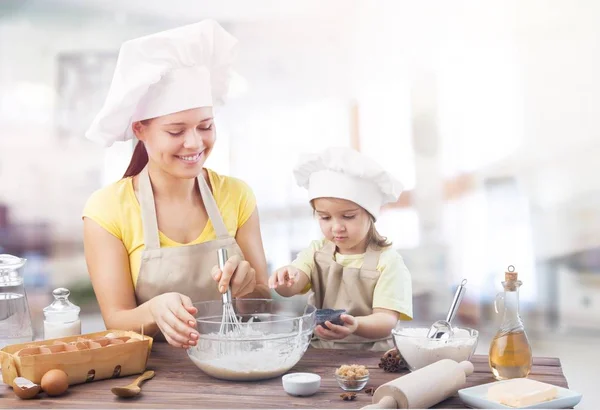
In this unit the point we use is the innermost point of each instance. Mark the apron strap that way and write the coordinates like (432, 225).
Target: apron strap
(148, 208)
(212, 209)
(371, 259)
(149, 222)
(329, 249)
(371, 255)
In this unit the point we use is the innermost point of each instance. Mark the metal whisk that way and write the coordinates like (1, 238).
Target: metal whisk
(230, 325)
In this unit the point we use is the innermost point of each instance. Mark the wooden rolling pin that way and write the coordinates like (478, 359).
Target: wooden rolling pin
(423, 388)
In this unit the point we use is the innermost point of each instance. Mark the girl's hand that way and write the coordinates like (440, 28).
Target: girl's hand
(173, 314)
(236, 273)
(286, 276)
(337, 332)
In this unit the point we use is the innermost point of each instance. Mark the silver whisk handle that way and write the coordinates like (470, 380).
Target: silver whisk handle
(222, 253)
(227, 296)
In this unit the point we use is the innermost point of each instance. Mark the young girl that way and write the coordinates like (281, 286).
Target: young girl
(353, 268)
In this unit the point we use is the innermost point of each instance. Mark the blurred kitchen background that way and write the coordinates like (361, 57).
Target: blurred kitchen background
(489, 112)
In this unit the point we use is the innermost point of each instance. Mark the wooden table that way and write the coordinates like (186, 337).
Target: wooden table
(180, 384)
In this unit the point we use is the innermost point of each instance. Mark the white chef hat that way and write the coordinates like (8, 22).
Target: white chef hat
(341, 172)
(163, 73)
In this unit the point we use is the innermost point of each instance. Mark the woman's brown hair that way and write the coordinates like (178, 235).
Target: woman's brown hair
(139, 158)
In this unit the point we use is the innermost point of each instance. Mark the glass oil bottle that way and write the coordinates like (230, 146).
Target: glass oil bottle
(510, 352)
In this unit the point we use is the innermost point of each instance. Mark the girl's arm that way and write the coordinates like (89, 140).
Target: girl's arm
(288, 281)
(378, 324)
(297, 274)
(249, 239)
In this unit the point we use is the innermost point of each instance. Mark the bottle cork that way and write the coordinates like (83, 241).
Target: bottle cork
(511, 278)
(510, 275)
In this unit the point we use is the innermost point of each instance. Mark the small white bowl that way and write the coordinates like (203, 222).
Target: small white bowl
(301, 384)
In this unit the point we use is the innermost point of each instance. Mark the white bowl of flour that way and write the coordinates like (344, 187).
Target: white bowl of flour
(419, 351)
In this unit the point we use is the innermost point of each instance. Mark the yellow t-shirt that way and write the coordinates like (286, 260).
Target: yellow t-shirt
(393, 290)
(116, 208)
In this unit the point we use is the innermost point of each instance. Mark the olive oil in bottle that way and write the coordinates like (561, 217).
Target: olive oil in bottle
(510, 352)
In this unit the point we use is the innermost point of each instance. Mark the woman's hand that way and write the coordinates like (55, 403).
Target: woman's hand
(337, 332)
(173, 314)
(236, 273)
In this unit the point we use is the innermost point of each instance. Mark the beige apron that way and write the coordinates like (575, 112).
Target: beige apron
(183, 269)
(337, 287)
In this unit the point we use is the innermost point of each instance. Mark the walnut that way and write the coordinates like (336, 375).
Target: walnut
(348, 396)
(353, 371)
(351, 376)
(370, 390)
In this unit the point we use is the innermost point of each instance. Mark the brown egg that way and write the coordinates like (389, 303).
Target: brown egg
(55, 382)
(103, 341)
(94, 345)
(24, 388)
(28, 351)
(55, 348)
(71, 348)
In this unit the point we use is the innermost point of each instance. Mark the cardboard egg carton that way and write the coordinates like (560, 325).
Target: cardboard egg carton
(85, 358)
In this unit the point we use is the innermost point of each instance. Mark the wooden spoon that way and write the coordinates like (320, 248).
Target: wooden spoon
(133, 389)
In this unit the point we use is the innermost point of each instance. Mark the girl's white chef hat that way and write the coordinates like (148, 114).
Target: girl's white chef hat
(341, 172)
(163, 73)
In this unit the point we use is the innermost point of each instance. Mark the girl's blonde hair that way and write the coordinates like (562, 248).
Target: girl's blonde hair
(374, 238)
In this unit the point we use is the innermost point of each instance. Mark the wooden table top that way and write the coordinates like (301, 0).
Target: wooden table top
(180, 384)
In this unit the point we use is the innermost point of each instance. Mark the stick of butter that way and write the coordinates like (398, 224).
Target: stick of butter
(522, 392)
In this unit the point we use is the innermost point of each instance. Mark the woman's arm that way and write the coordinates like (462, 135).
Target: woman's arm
(108, 266)
(249, 239)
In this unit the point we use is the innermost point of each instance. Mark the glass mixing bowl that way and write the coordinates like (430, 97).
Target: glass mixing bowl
(272, 337)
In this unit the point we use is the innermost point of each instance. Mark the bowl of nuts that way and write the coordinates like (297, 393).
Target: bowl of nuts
(352, 377)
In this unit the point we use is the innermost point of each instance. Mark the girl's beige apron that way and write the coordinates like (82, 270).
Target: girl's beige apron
(183, 269)
(337, 287)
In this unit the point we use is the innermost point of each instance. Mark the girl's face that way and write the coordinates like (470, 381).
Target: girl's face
(344, 223)
(179, 143)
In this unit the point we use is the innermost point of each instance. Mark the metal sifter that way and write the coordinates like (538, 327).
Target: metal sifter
(442, 329)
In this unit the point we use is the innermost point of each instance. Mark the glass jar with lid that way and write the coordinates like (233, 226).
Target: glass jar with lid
(61, 317)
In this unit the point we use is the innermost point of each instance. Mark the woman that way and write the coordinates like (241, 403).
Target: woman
(151, 239)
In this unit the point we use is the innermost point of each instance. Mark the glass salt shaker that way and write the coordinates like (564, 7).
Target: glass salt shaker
(61, 317)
